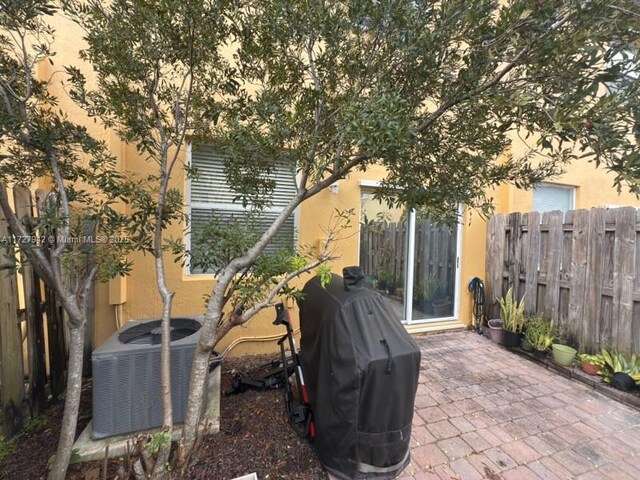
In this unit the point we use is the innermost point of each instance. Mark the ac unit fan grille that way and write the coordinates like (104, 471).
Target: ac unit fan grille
(149, 333)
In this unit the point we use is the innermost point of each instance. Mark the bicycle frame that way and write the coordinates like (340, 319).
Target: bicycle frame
(300, 415)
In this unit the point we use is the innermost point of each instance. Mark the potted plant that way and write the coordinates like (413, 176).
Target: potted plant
(385, 280)
(618, 370)
(591, 364)
(540, 332)
(429, 291)
(563, 354)
(512, 314)
(526, 344)
(442, 307)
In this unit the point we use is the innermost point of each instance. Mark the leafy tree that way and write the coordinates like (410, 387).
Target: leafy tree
(156, 61)
(37, 141)
(434, 91)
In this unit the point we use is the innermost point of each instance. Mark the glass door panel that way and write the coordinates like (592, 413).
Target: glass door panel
(434, 269)
(383, 246)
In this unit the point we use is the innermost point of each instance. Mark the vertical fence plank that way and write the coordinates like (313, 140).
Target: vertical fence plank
(554, 252)
(443, 259)
(578, 276)
(532, 262)
(593, 289)
(606, 281)
(623, 259)
(567, 247)
(494, 263)
(590, 337)
(55, 325)
(11, 368)
(35, 329)
(515, 236)
(426, 228)
(635, 325)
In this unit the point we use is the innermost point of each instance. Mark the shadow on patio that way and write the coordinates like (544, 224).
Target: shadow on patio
(483, 412)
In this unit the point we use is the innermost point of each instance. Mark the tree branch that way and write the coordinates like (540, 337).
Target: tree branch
(88, 282)
(5, 98)
(64, 200)
(511, 64)
(267, 302)
(318, 88)
(338, 173)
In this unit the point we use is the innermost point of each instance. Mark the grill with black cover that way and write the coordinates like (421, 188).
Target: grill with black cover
(361, 368)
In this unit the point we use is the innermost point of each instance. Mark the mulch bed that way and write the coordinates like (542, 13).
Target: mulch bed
(254, 437)
(29, 452)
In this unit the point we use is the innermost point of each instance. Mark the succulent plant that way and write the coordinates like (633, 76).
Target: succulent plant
(618, 362)
(541, 332)
(511, 312)
(595, 359)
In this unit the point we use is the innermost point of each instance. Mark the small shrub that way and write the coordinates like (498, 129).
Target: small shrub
(540, 331)
(7, 447)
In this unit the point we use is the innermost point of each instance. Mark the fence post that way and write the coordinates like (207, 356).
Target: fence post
(11, 369)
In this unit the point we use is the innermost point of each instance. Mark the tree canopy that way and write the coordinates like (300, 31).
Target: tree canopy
(436, 91)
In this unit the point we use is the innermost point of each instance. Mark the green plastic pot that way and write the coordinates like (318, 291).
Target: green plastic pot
(563, 354)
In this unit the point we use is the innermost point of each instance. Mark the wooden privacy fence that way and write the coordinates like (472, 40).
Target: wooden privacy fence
(581, 268)
(35, 331)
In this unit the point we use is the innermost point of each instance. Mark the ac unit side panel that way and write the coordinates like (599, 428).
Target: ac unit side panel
(126, 388)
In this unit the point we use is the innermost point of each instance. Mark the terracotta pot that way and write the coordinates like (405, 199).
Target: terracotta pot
(590, 368)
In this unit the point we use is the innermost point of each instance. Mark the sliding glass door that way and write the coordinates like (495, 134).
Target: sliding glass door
(410, 259)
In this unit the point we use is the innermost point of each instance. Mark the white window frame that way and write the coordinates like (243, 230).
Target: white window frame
(409, 276)
(189, 205)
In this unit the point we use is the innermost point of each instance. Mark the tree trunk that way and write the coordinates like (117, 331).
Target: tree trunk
(197, 383)
(72, 402)
(159, 469)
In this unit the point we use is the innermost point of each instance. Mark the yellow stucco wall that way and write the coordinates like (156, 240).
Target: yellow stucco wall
(137, 297)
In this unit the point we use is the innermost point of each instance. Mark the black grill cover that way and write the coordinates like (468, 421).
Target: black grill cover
(361, 370)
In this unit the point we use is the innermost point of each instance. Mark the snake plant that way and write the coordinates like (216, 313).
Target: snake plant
(511, 312)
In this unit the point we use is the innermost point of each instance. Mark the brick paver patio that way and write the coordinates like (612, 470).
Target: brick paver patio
(483, 412)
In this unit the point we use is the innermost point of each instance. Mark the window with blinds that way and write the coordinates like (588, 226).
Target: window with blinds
(548, 197)
(211, 196)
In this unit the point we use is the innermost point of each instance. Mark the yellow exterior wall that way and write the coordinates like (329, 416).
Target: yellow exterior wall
(136, 296)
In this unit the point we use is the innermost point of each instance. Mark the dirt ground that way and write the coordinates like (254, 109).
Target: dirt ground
(254, 437)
